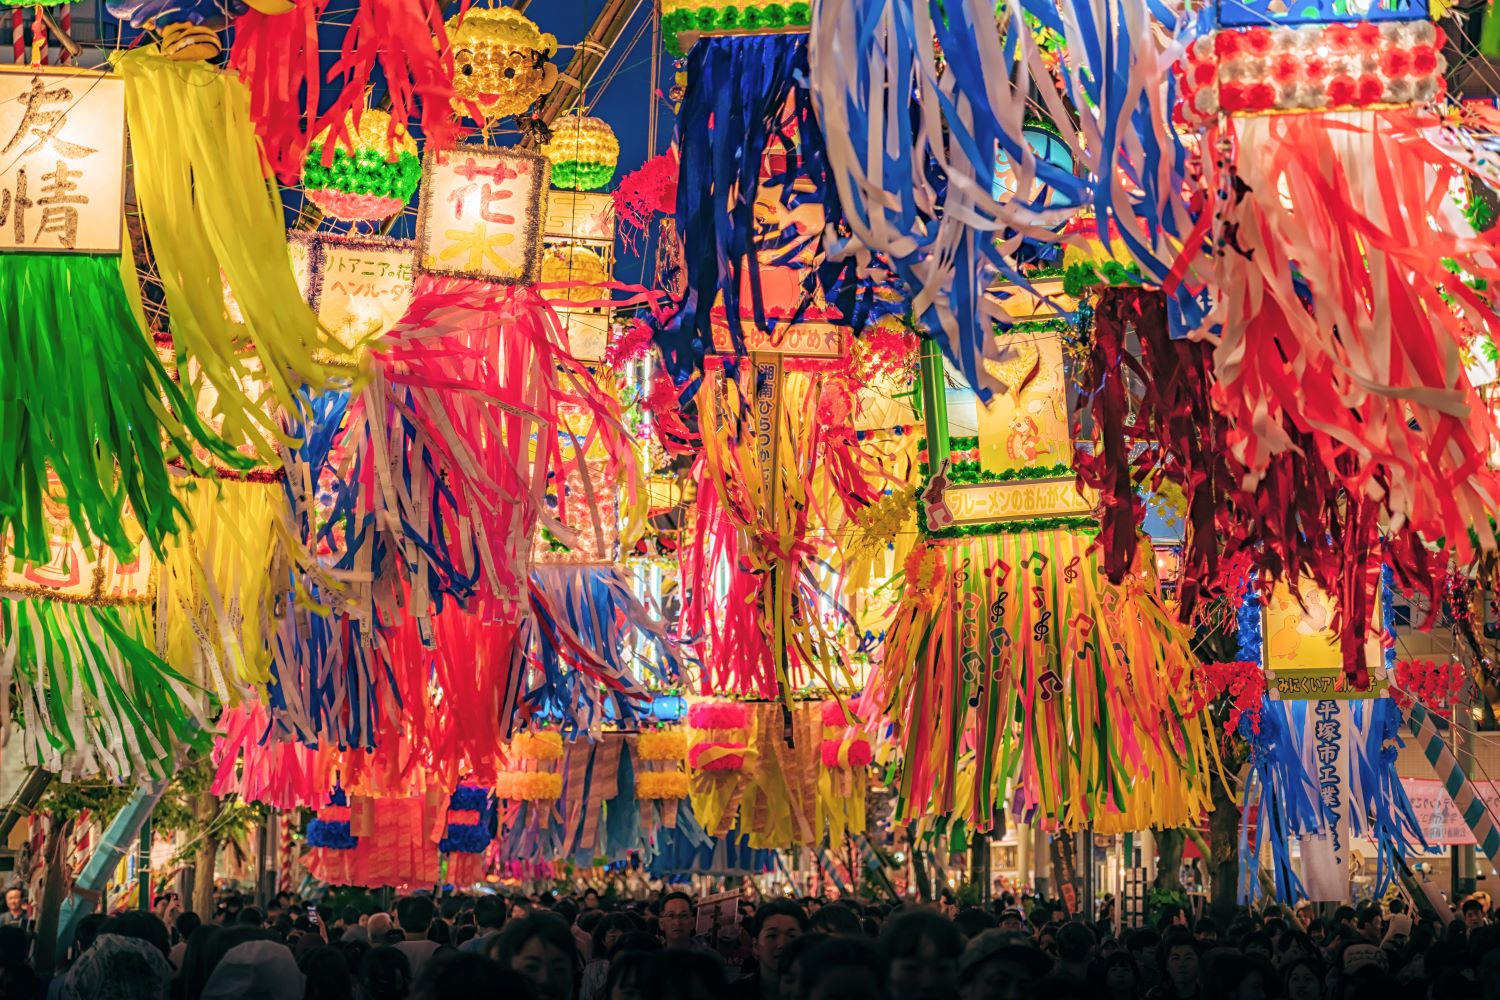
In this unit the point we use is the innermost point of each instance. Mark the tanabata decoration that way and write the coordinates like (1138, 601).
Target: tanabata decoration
(773, 791)
(500, 62)
(1341, 324)
(187, 27)
(950, 187)
(680, 16)
(83, 691)
(846, 757)
(583, 150)
(372, 172)
(645, 191)
(189, 123)
(250, 764)
(330, 831)
(1075, 694)
(92, 420)
(359, 286)
(391, 842)
(276, 55)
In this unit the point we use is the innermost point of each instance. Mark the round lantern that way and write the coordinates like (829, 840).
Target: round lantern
(500, 61)
(568, 262)
(583, 152)
(371, 176)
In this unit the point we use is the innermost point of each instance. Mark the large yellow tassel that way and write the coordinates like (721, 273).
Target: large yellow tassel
(214, 221)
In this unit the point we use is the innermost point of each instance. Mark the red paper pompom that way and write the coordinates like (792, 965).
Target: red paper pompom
(728, 762)
(1204, 74)
(1341, 90)
(1258, 41)
(1367, 34)
(1338, 36)
(859, 753)
(1233, 96)
(718, 715)
(1370, 88)
(1261, 97)
(1423, 59)
(1285, 69)
(1395, 62)
(1227, 44)
(834, 717)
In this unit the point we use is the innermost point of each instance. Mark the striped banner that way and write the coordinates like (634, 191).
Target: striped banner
(831, 869)
(1430, 731)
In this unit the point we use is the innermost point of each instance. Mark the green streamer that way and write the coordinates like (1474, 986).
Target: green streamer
(85, 399)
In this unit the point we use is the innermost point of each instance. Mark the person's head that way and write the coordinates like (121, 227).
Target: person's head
(1345, 915)
(380, 927)
(680, 974)
(840, 921)
(676, 918)
(520, 907)
(349, 917)
(127, 968)
(250, 916)
(384, 974)
(453, 975)
(1012, 920)
(1000, 966)
(844, 968)
(776, 924)
(1370, 924)
(1294, 944)
(1302, 978)
(1473, 913)
(1356, 955)
(15, 899)
(922, 949)
(1258, 945)
(439, 931)
(1205, 931)
(1177, 959)
(541, 948)
(971, 920)
(1396, 905)
(791, 974)
(608, 932)
(489, 912)
(629, 976)
(187, 922)
(1046, 938)
(1317, 930)
(1118, 975)
(140, 925)
(1141, 943)
(1304, 914)
(1232, 976)
(591, 899)
(327, 974)
(1075, 943)
(414, 915)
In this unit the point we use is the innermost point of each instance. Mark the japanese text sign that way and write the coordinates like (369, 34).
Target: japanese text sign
(481, 214)
(62, 160)
(359, 286)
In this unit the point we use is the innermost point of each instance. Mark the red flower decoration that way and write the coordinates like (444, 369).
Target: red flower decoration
(1439, 37)
(1339, 36)
(1227, 44)
(1262, 97)
(1258, 41)
(1204, 75)
(1233, 97)
(1367, 34)
(1314, 68)
(1341, 91)
(1370, 88)
(1395, 62)
(1423, 60)
(1285, 68)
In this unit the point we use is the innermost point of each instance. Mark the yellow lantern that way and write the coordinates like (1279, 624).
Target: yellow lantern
(570, 262)
(500, 61)
(583, 152)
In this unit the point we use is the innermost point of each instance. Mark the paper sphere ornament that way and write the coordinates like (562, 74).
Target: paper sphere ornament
(575, 264)
(372, 174)
(583, 152)
(500, 61)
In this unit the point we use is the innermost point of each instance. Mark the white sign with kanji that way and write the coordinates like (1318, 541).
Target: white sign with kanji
(62, 160)
(481, 213)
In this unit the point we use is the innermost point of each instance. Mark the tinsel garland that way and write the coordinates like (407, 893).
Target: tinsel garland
(82, 417)
(580, 175)
(750, 17)
(89, 695)
(1079, 693)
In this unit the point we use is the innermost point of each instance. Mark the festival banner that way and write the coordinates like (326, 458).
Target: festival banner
(1327, 732)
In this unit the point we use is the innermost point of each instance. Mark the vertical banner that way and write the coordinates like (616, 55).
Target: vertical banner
(1327, 730)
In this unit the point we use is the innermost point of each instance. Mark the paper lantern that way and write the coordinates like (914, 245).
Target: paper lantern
(500, 61)
(583, 152)
(372, 174)
(572, 263)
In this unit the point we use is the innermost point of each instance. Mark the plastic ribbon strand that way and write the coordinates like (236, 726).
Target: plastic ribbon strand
(88, 694)
(215, 225)
(1081, 695)
(87, 423)
(276, 56)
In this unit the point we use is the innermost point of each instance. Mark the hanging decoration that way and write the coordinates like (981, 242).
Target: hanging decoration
(501, 62)
(583, 151)
(368, 174)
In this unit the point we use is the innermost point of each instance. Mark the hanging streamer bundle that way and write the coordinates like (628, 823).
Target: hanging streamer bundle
(1076, 692)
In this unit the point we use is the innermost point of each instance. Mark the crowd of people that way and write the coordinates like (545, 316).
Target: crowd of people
(588, 947)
